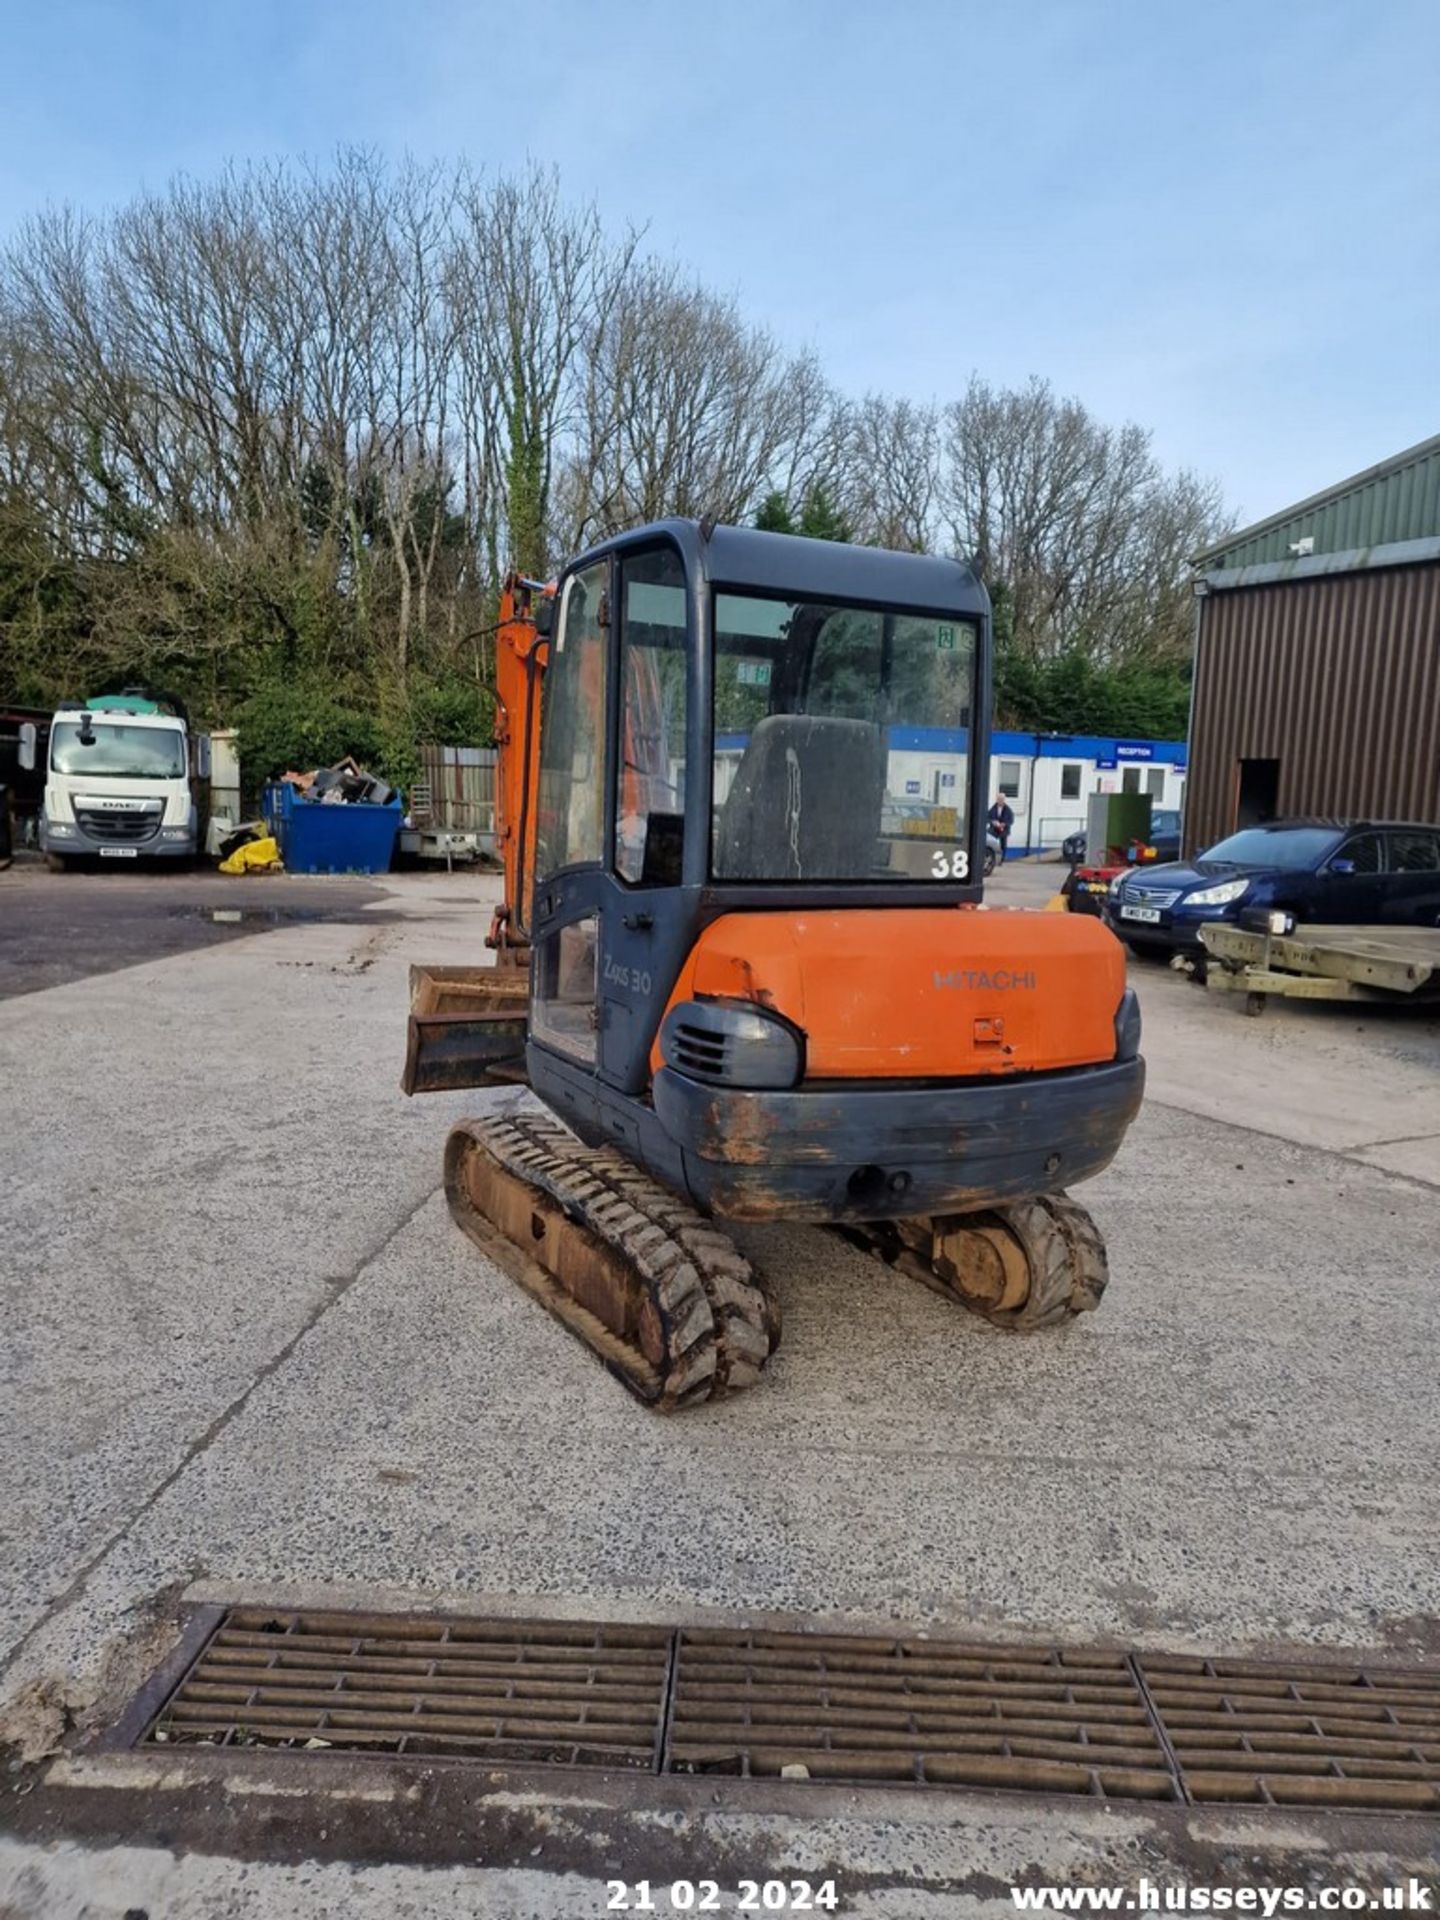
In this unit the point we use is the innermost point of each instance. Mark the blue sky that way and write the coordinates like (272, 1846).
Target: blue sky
(1220, 220)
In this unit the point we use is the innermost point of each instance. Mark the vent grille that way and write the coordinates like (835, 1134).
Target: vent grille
(700, 1051)
(120, 824)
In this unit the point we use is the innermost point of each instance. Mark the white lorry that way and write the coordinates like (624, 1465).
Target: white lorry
(120, 780)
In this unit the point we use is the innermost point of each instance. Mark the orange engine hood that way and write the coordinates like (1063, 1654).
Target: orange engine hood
(912, 993)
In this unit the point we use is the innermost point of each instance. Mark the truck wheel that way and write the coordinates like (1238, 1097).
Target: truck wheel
(57, 863)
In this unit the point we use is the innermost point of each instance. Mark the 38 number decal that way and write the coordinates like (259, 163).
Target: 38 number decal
(950, 866)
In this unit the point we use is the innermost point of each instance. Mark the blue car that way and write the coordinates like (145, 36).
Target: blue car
(1344, 872)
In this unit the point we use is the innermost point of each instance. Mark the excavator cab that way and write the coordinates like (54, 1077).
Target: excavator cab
(744, 858)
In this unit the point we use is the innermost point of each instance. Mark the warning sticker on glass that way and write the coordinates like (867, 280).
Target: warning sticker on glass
(945, 639)
(753, 673)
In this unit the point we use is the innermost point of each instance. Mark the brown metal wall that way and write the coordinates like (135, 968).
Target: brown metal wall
(1338, 679)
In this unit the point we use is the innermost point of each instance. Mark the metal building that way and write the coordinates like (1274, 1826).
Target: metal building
(1317, 662)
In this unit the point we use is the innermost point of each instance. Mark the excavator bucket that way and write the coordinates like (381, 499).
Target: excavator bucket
(467, 1029)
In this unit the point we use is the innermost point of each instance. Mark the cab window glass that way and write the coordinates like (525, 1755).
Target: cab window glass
(845, 669)
(564, 1003)
(650, 772)
(832, 726)
(570, 828)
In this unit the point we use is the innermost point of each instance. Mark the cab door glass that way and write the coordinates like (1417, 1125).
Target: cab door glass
(564, 1010)
(650, 771)
(570, 828)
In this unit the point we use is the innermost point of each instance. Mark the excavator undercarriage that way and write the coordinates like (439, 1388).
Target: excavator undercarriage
(664, 1296)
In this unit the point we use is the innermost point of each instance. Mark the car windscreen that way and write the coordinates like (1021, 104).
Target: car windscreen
(117, 751)
(1300, 847)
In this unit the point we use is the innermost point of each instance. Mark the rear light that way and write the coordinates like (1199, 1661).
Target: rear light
(729, 1043)
(1127, 1026)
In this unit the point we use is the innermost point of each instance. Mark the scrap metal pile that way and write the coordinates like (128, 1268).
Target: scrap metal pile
(343, 784)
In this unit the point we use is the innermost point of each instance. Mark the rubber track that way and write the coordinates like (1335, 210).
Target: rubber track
(719, 1321)
(1063, 1250)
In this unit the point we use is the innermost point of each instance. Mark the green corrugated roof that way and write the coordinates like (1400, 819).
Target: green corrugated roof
(1398, 500)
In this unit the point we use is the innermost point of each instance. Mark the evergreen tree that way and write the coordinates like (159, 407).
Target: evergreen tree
(774, 515)
(821, 519)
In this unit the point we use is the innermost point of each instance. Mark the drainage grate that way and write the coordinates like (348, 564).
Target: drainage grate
(925, 1711)
(842, 1707)
(1293, 1734)
(569, 1695)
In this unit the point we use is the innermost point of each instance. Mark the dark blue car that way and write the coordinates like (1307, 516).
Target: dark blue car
(1344, 872)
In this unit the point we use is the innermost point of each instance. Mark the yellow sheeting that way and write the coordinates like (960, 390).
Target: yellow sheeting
(256, 856)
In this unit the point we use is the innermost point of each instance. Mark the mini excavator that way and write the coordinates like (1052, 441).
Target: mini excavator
(744, 962)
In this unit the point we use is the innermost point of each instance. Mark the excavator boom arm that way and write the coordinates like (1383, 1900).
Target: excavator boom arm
(521, 650)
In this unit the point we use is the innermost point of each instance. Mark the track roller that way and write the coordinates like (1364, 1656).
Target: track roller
(664, 1297)
(1023, 1268)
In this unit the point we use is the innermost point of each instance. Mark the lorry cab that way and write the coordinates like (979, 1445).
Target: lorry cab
(118, 780)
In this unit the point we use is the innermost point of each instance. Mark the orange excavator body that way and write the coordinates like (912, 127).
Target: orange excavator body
(762, 980)
(968, 991)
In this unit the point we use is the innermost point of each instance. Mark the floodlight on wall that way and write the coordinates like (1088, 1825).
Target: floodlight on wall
(1201, 588)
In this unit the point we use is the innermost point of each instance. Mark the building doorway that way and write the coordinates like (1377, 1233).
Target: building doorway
(943, 780)
(1259, 796)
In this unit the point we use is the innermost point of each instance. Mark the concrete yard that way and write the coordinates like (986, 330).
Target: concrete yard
(247, 1355)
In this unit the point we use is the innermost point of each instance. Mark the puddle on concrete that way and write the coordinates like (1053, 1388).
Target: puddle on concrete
(252, 916)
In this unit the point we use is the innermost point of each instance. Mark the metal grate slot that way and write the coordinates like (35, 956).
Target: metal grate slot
(857, 1709)
(839, 1707)
(1293, 1734)
(573, 1695)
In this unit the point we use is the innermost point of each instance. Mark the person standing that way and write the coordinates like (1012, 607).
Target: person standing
(1002, 822)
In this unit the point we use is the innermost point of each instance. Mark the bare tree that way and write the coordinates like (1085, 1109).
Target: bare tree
(687, 409)
(537, 280)
(1073, 518)
(886, 474)
(298, 420)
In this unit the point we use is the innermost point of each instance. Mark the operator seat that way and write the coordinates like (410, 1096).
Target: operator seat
(806, 802)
